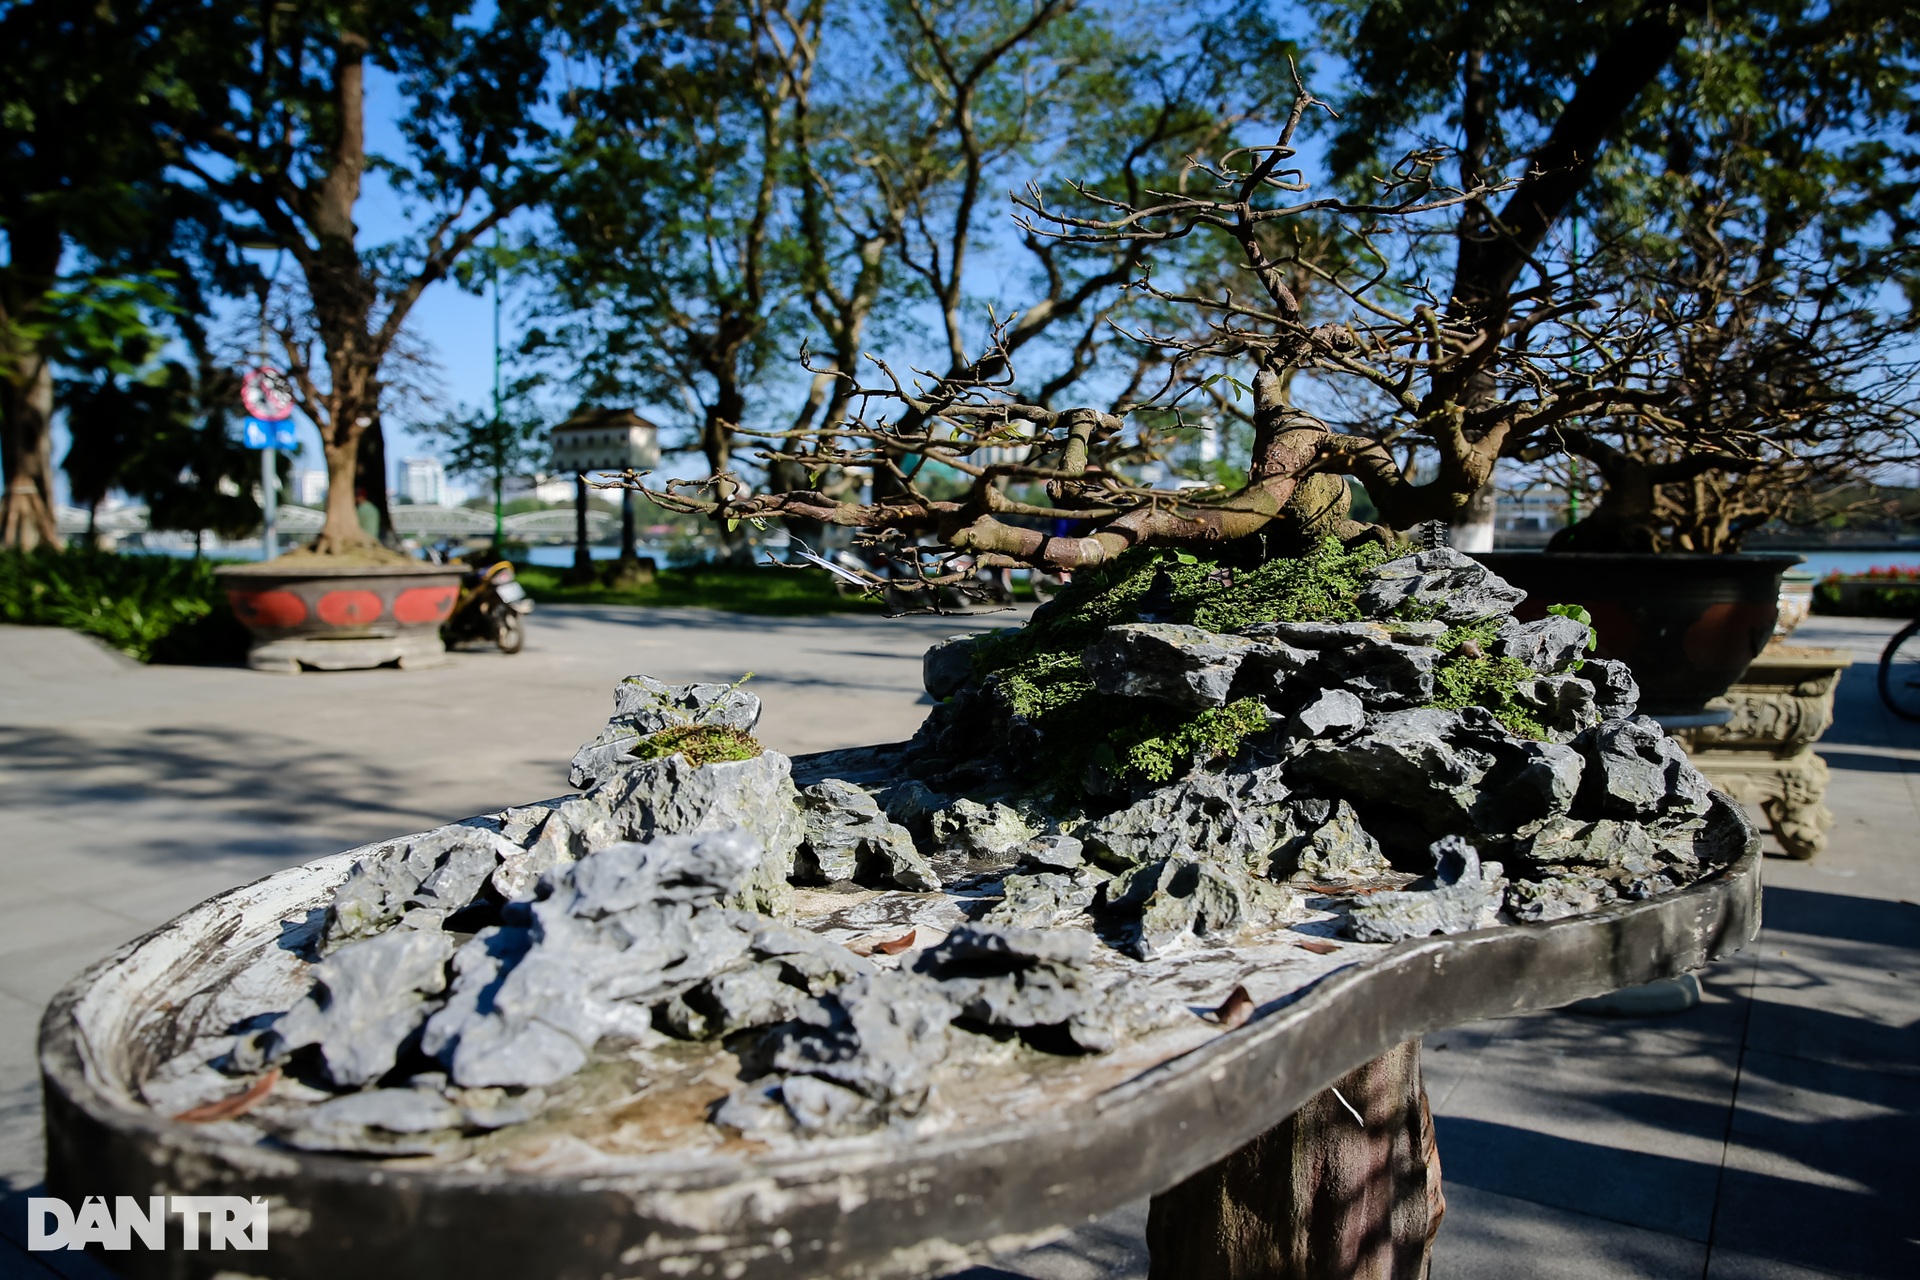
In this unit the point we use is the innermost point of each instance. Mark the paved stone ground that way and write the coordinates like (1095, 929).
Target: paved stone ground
(1767, 1134)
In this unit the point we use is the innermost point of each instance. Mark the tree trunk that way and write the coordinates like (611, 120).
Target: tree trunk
(1473, 529)
(370, 475)
(26, 512)
(342, 531)
(582, 556)
(1321, 1196)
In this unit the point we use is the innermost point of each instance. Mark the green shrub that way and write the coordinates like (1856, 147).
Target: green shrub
(1875, 594)
(156, 608)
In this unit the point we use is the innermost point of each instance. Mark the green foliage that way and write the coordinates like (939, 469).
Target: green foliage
(1215, 733)
(1581, 616)
(765, 591)
(1867, 598)
(1462, 681)
(700, 744)
(155, 608)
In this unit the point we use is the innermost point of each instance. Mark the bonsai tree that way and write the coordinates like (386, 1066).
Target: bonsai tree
(1749, 204)
(1324, 306)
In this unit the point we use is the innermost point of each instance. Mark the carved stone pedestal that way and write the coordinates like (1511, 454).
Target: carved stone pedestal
(1764, 755)
(1347, 1188)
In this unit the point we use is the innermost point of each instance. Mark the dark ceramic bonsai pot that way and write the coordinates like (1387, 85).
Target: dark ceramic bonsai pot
(1687, 625)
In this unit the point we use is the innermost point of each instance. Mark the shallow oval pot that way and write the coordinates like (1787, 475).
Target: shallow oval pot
(864, 1207)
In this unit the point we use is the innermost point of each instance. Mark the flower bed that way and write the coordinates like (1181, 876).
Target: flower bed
(1884, 592)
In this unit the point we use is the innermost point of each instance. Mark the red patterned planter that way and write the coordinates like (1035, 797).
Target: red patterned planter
(329, 618)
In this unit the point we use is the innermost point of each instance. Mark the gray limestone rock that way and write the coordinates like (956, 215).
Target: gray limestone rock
(1456, 770)
(849, 838)
(621, 930)
(878, 1036)
(1037, 901)
(1272, 669)
(1340, 851)
(1636, 771)
(439, 873)
(1557, 897)
(642, 706)
(1424, 631)
(1181, 666)
(1462, 895)
(1549, 645)
(1333, 712)
(1028, 980)
(1314, 636)
(1177, 900)
(651, 706)
(368, 998)
(986, 835)
(1616, 694)
(1385, 676)
(947, 666)
(1447, 585)
(1363, 657)
(754, 995)
(603, 757)
(913, 804)
(1564, 704)
(379, 1122)
(672, 796)
(1054, 852)
(1234, 819)
(552, 843)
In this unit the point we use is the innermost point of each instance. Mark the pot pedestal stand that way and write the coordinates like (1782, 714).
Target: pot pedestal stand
(1763, 755)
(311, 653)
(1346, 1188)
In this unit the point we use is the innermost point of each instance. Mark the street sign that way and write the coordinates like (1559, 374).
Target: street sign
(256, 434)
(266, 394)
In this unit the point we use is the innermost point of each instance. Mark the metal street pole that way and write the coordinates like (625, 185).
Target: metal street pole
(269, 456)
(499, 460)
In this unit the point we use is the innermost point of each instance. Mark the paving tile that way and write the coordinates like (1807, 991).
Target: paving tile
(36, 975)
(1820, 1170)
(1837, 980)
(1488, 1236)
(1635, 1188)
(1731, 1264)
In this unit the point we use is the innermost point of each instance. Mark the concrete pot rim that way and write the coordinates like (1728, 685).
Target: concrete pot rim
(278, 570)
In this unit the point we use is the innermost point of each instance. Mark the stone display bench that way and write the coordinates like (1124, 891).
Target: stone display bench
(1763, 755)
(1191, 1122)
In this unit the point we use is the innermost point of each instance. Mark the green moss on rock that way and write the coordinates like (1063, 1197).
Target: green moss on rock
(700, 743)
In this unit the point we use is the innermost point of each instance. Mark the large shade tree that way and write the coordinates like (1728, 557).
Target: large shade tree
(801, 176)
(481, 126)
(1742, 175)
(83, 209)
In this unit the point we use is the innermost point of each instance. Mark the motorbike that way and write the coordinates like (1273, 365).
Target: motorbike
(491, 607)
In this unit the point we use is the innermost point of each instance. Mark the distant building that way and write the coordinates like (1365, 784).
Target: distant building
(309, 488)
(604, 440)
(423, 482)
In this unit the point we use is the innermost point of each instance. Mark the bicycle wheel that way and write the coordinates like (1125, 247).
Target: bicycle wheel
(1900, 672)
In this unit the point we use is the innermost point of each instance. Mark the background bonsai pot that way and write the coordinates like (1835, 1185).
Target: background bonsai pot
(1687, 625)
(305, 612)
